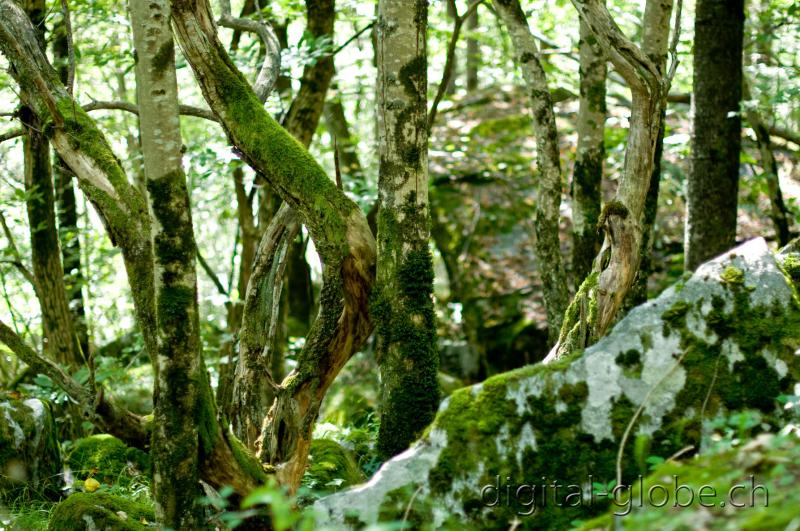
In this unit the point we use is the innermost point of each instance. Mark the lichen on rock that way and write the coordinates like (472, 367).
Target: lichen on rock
(652, 386)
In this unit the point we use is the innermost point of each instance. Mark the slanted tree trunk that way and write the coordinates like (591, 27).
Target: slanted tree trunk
(179, 371)
(548, 245)
(403, 304)
(587, 175)
(337, 226)
(713, 184)
(601, 296)
(264, 328)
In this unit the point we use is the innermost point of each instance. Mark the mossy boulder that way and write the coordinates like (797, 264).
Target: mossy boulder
(331, 467)
(540, 445)
(107, 459)
(101, 511)
(755, 485)
(30, 458)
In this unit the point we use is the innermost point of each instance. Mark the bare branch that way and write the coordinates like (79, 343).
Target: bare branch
(186, 110)
(12, 133)
(70, 47)
(358, 34)
(211, 275)
(447, 73)
(271, 67)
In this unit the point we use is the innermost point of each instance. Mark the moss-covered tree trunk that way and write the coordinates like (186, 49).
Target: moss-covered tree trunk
(178, 364)
(713, 183)
(60, 340)
(548, 244)
(473, 53)
(602, 294)
(403, 304)
(588, 172)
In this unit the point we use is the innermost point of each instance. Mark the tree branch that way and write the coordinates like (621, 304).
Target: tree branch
(447, 72)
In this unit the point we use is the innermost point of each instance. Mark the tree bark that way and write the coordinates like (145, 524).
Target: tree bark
(603, 293)
(59, 333)
(403, 304)
(339, 229)
(548, 245)
(67, 210)
(713, 185)
(473, 54)
(587, 175)
(179, 370)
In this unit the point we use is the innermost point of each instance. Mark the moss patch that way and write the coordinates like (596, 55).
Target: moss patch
(84, 511)
(108, 460)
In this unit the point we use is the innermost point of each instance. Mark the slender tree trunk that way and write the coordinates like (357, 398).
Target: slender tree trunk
(473, 53)
(778, 211)
(346, 146)
(548, 244)
(655, 41)
(180, 374)
(588, 173)
(452, 12)
(716, 140)
(403, 304)
(59, 333)
(67, 209)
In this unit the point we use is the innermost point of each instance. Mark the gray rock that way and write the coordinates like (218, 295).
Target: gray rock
(30, 458)
(722, 341)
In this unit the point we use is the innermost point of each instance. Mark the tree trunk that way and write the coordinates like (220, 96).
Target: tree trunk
(179, 369)
(603, 293)
(473, 53)
(67, 209)
(655, 24)
(769, 166)
(403, 304)
(713, 185)
(59, 334)
(588, 173)
(548, 245)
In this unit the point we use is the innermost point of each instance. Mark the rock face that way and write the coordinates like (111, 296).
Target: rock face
(30, 458)
(540, 445)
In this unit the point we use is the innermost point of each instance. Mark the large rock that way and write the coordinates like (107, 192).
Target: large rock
(30, 459)
(100, 511)
(724, 340)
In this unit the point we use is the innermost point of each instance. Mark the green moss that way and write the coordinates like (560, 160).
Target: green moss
(612, 208)
(331, 467)
(775, 466)
(98, 510)
(107, 459)
(732, 275)
(675, 317)
(791, 265)
(164, 57)
(580, 317)
(402, 308)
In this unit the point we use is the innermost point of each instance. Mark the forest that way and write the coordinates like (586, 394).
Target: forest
(448, 264)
